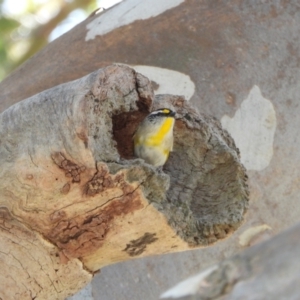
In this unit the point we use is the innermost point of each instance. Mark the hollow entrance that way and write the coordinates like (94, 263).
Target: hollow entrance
(124, 126)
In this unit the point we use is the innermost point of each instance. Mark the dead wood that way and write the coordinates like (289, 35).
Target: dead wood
(75, 199)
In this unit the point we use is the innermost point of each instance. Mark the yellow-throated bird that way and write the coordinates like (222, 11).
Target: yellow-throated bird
(153, 139)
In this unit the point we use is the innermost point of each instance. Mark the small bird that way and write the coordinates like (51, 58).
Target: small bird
(153, 139)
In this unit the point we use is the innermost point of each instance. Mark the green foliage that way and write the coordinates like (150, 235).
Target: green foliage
(7, 26)
(22, 35)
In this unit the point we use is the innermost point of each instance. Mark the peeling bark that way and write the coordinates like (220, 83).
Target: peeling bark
(235, 52)
(68, 176)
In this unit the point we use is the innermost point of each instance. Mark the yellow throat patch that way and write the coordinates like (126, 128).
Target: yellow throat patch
(158, 137)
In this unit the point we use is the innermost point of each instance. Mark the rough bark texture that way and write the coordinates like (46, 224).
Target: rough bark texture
(33, 268)
(208, 193)
(69, 177)
(243, 60)
(269, 270)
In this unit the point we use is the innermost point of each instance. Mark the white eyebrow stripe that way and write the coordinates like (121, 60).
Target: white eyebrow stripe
(156, 112)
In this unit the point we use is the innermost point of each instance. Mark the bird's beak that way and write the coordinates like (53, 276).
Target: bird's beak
(172, 114)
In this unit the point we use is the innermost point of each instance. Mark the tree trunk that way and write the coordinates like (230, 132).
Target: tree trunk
(71, 188)
(269, 270)
(235, 60)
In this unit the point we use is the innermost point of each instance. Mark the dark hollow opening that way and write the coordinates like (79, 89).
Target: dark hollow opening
(124, 126)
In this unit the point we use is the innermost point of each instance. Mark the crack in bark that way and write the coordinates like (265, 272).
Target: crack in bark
(118, 197)
(32, 159)
(77, 234)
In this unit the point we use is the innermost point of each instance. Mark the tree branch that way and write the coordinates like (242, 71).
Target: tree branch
(269, 270)
(69, 177)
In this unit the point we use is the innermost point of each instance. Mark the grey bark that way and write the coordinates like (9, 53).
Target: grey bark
(225, 48)
(68, 175)
(269, 270)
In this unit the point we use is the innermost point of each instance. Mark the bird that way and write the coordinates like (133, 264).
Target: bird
(153, 139)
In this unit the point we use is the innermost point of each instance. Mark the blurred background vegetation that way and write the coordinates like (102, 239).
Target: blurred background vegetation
(26, 26)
